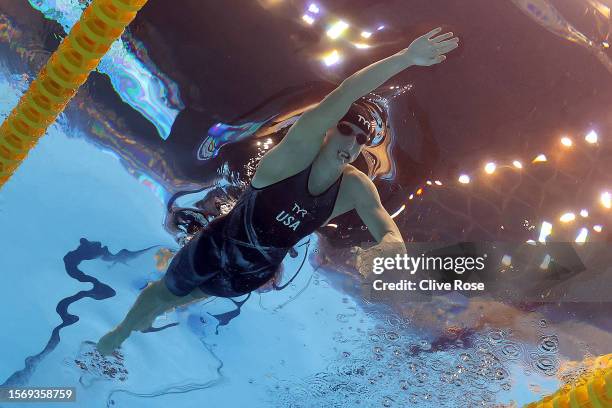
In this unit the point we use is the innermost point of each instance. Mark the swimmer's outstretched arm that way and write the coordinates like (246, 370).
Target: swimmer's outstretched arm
(307, 134)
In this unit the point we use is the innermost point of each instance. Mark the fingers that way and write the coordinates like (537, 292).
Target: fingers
(433, 32)
(443, 37)
(438, 59)
(452, 41)
(444, 42)
(446, 48)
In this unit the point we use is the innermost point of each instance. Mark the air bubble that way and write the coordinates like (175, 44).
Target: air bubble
(495, 336)
(465, 356)
(392, 336)
(549, 344)
(413, 367)
(421, 378)
(501, 374)
(546, 364)
(509, 350)
(394, 321)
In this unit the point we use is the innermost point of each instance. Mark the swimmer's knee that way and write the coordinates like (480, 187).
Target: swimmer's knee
(164, 291)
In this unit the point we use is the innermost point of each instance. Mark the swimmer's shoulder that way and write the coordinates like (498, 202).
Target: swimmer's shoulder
(355, 178)
(355, 183)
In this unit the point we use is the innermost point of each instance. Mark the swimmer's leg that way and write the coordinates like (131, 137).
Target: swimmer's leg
(154, 300)
(175, 301)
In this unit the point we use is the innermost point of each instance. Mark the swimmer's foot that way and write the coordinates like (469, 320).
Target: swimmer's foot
(112, 340)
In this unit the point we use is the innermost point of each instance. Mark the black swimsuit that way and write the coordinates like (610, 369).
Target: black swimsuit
(240, 251)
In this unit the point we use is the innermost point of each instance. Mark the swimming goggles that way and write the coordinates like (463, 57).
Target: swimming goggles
(347, 130)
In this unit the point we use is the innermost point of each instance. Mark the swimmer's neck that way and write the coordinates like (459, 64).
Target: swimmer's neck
(325, 169)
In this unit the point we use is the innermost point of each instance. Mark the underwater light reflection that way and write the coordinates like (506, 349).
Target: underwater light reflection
(139, 83)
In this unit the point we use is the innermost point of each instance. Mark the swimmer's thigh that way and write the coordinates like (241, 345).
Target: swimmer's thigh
(197, 294)
(181, 277)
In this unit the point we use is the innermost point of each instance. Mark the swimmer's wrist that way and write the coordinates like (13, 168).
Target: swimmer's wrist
(406, 57)
(392, 244)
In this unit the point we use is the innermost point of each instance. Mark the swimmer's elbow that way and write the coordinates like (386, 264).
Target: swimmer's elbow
(335, 105)
(329, 111)
(308, 132)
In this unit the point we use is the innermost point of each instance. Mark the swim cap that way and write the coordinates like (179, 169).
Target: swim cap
(361, 117)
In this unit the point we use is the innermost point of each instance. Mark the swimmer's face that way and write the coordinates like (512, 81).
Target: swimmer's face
(343, 148)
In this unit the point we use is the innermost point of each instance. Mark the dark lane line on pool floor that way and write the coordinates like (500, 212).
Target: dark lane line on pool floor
(87, 250)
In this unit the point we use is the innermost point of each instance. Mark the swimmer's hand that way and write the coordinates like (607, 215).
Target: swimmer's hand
(390, 246)
(428, 50)
(364, 259)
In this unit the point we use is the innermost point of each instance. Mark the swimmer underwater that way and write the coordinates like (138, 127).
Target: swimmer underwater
(299, 185)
